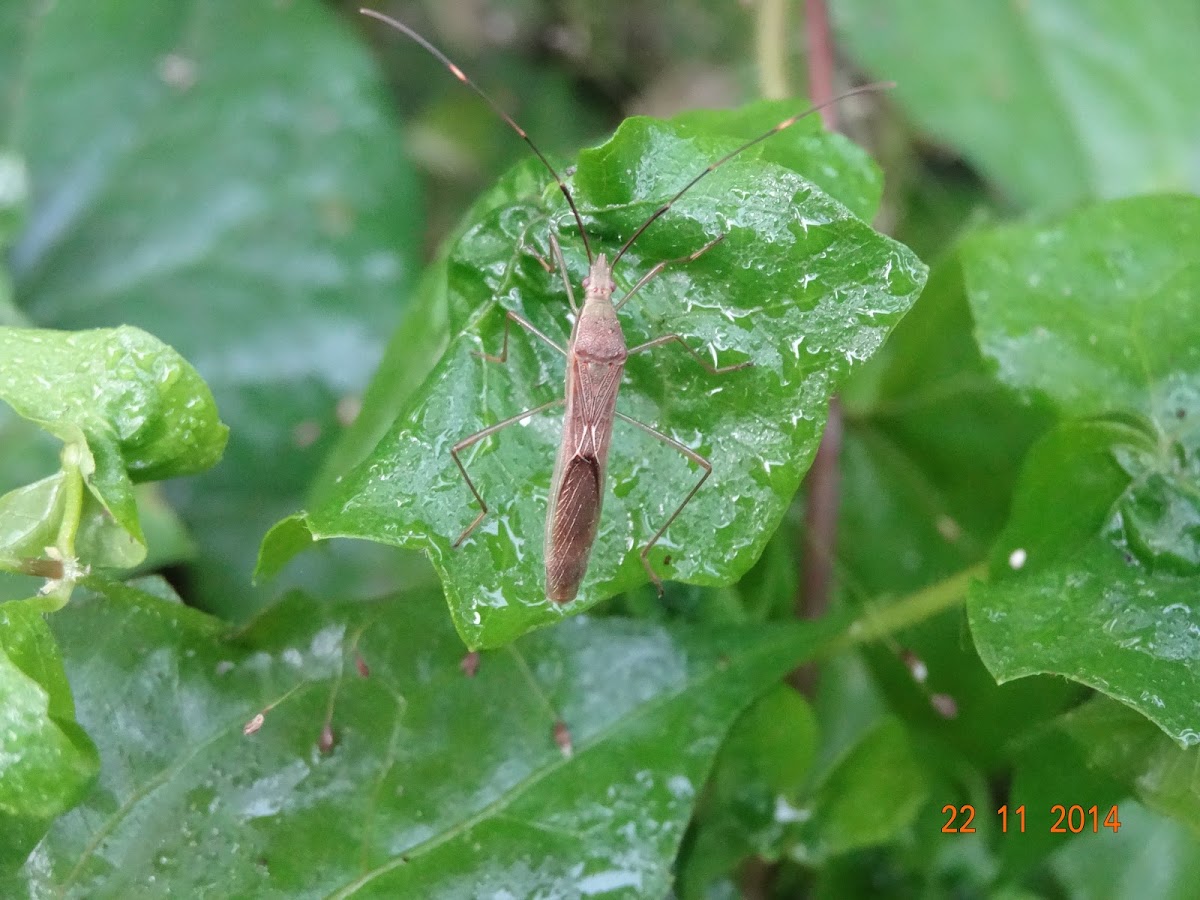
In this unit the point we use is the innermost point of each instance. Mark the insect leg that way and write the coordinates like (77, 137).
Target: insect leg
(562, 267)
(475, 439)
(669, 262)
(694, 457)
(525, 248)
(528, 248)
(510, 317)
(667, 338)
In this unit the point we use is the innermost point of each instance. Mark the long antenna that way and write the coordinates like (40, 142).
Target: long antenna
(461, 76)
(786, 123)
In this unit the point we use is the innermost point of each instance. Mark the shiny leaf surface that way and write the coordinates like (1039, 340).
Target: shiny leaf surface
(46, 760)
(226, 177)
(800, 288)
(187, 802)
(127, 408)
(1094, 576)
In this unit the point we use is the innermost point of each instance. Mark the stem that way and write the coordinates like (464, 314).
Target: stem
(770, 39)
(821, 510)
(72, 504)
(820, 60)
(917, 607)
(57, 590)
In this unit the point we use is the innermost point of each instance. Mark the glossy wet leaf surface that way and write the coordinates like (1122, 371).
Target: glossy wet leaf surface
(228, 177)
(127, 407)
(1120, 743)
(1094, 576)
(46, 760)
(800, 288)
(187, 802)
(1055, 100)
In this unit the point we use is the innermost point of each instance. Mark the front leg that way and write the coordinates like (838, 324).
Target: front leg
(509, 318)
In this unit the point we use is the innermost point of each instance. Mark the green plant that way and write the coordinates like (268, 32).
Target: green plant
(1019, 528)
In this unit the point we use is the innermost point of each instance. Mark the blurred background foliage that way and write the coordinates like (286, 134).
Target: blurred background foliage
(325, 177)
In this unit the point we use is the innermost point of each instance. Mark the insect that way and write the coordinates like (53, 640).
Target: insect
(595, 355)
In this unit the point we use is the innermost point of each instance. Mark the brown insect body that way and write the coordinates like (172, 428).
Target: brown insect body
(596, 361)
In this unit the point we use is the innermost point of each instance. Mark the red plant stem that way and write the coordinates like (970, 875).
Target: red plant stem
(822, 500)
(820, 59)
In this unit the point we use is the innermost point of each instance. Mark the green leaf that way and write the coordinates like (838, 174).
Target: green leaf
(1148, 857)
(1094, 575)
(801, 288)
(137, 402)
(1094, 311)
(804, 147)
(765, 760)
(1057, 100)
(1119, 743)
(1052, 768)
(228, 178)
(187, 802)
(127, 408)
(871, 796)
(1068, 597)
(46, 760)
(32, 518)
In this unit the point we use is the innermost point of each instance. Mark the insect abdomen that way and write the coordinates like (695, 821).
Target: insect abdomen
(571, 526)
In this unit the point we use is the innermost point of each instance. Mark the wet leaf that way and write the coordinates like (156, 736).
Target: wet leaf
(1067, 596)
(800, 287)
(188, 802)
(1056, 101)
(871, 796)
(763, 762)
(227, 177)
(128, 408)
(46, 760)
(1094, 575)
(1119, 743)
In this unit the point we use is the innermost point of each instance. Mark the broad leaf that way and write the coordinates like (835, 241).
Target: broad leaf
(800, 288)
(186, 802)
(227, 177)
(1094, 576)
(127, 408)
(1119, 743)
(765, 760)
(870, 797)
(46, 761)
(1055, 100)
